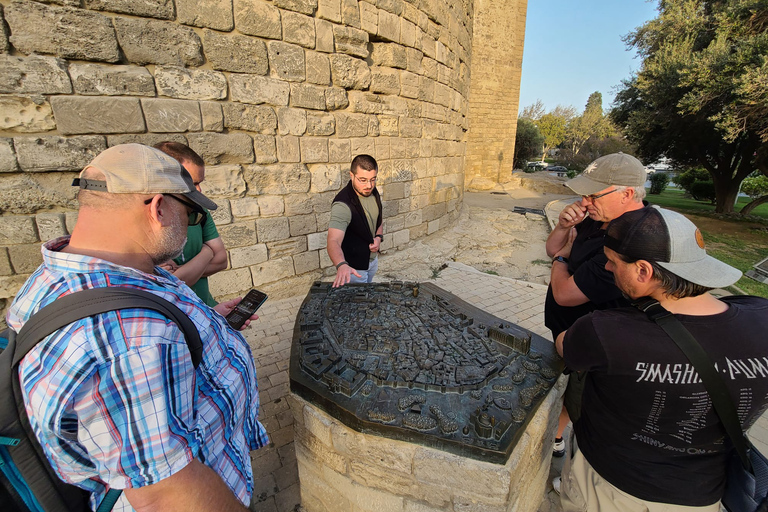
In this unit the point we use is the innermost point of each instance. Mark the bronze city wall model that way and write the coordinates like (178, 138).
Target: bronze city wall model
(412, 362)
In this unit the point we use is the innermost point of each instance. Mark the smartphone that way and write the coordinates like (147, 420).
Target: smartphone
(246, 308)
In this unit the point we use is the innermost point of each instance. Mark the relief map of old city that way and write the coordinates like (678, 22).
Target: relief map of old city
(412, 362)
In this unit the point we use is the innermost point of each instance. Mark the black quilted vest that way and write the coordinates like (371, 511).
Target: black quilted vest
(358, 236)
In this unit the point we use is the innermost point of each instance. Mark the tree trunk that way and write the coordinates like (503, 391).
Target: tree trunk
(725, 192)
(753, 204)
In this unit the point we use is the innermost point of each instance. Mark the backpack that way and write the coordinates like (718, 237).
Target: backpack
(27, 481)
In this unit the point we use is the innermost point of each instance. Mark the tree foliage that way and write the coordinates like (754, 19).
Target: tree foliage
(528, 142)
(755, 186)
(659, 182)
(701, 96)
(591, 124)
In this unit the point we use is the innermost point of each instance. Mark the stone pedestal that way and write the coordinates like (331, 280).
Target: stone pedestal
(342, 470)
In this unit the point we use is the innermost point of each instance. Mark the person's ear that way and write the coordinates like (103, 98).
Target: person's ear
(159, 210)
(643, 271)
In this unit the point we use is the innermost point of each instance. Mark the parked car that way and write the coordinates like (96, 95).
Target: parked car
(557, 168)
(539, 165)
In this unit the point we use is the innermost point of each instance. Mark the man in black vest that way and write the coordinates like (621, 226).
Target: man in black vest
(355, 229)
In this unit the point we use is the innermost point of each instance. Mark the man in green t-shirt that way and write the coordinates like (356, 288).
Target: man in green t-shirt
(204, 253)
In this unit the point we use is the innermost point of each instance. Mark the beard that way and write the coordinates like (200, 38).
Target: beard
(171, 242)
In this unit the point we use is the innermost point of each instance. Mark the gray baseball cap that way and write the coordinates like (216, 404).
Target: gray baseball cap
(140, 169)
(673, 242)
(615, 169)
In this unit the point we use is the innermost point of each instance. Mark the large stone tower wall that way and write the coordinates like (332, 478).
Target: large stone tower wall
(497, 57)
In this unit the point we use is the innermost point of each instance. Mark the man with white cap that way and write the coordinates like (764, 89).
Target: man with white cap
(114, 398)
(609, 187)
(648, 438)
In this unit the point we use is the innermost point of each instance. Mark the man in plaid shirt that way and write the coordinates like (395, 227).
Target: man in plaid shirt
(114, 399)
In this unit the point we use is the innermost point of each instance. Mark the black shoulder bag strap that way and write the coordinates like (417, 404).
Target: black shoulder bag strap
(713, 383)
(75, 306)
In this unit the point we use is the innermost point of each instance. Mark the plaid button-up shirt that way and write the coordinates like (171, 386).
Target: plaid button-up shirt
(114, 399)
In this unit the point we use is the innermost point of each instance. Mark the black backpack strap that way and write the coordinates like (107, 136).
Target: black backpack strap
(721, 399)
(70, 308)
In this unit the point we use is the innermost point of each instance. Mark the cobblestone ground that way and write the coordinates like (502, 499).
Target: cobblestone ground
(275, 470)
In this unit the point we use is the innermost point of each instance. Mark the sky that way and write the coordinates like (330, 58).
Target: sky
(574, 48)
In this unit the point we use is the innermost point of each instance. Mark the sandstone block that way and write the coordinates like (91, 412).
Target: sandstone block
(410, 127)
(148, 139)
(100, 80)
(318, 69)
(279, 179)
(393, 455)
(287, 61)
(433, 226)
(412, 219)
(219, 148)
(306, 262)
(62, 31)
(258, 18)
(215, 14)
(259, 89)
(302, 6)
(308, 96)
(239, 54)
(198, 84)
(362, 145)
(301, 224)
(336, 98)
(323, 36)
(26, 114)
(401, 238)
(350, 13)
(288, 149)
(231, 281)
(54, 153)
(7, 156)
(5, 261)
(223, 181)
(314, 149)
(387, 127)
(17, 230)
(414, 58)
(325, 177)
(246, 256)
(389, 26)
(212, 116)
(385, 81)
(298, 204)
(338, 150)
(223, 214)
(162, 9)
(369, 103)
(373, 126)
(50, 225)
(321, 202)
(158, 42)
(35, 74)
(316, 241)
(264, 149)
(409, 84)
(322, 225)
(383, 147)
(75, 115)
(164, 115)
(253, 118)
(351, 41)
(5, 46)
(238, 234)
(351, 125)
(329, 10)
(10, 285)
(409, 34)
(271, 206)
(298, 29)
(245, 207)
(389, 55)
(70, 219)
(363, 498)
(27, 193)
(369, 18)
(291, 121)
(272, 270)
(349, 72)
(317, 124)
(272, 229)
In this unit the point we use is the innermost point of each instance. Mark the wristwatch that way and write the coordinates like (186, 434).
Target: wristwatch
(380, 236)
(561, 259)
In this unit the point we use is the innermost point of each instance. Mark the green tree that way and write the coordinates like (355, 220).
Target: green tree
(592, 124)
(701, 96)
(528, 142)
(755, 186)
(553, 127)
(659, 182)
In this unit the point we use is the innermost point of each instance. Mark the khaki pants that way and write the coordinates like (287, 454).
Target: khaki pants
(584, 490)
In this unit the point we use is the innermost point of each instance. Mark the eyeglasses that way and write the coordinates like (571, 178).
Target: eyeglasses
(364, 181)
(592, 197)
(197, 214)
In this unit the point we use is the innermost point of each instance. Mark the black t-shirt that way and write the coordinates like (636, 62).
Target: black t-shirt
(647, 424)
(587, 266)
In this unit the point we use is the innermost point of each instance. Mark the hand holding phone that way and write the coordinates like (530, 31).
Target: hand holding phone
(246, 308)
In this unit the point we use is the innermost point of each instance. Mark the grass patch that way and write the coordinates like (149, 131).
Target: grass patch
(674, 198)
(541, 262)
(735, 251)
(492, 272)
(436, 271)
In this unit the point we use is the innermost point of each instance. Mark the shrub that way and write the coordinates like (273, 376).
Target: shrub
(755, 186)
(686, 179)
(703, 191)
(659, 182)
(571, 174)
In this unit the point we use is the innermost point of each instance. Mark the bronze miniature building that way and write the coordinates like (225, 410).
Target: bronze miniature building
(413, 362)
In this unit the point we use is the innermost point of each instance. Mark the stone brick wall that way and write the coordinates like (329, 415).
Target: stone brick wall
(497, 57)
(277, 96)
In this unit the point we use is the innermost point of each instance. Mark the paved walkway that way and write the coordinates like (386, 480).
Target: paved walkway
(275, 471)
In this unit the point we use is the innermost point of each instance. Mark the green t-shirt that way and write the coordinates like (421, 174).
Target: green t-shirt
(341, 215)
(196, 237)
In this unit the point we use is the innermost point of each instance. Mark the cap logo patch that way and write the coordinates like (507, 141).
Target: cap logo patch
(699, 238)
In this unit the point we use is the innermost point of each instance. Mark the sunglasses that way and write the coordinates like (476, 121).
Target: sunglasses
(195, 217)
(592, 197)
